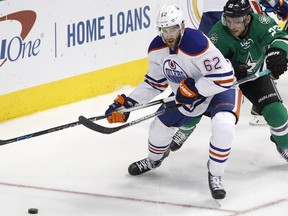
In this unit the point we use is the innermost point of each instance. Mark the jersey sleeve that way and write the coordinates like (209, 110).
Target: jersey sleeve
(266, 29)
(270, 34)
(155, 81)
(215, 72)
(218, 74)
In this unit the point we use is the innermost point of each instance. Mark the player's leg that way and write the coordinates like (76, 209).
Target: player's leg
(223, 130)
(277, 118)
(161, 132)
(257, 119)
(224, 110)
(183, 133)
(264, 95)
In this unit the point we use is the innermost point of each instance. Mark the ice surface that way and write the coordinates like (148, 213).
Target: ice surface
(77, 171)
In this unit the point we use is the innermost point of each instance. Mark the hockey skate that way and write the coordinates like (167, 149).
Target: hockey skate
(257, 119)
(282, 152)
(216, 187)
(145, 165)
(179, 138)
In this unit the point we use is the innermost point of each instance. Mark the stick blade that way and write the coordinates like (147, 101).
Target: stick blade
(2, 142)
(96, 127)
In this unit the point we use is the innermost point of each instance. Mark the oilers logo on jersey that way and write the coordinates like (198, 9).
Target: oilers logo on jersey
(173, 71)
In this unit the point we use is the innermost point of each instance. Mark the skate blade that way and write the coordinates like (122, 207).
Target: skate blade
(257, 124)
(257, 121)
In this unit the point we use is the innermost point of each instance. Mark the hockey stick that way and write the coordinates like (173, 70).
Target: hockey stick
(50, 130)
(108, 130)
(252, 77)
(152, 103)
(73, 124)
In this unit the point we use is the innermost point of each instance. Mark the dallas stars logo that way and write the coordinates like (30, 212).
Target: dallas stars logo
(250, 62)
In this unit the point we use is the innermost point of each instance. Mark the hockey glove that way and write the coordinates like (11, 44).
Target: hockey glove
(187, 93)
(120, 101)
(276, 61)
(240, 69)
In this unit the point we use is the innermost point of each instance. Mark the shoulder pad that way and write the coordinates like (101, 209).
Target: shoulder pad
(194, 42)
(263, 18)
(157, 43)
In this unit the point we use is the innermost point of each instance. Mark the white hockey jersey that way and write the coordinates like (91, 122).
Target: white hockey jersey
(196, 57)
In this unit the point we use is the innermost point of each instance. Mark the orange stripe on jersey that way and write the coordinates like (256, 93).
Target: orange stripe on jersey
(224, 81)
(159, 85)
(239, 103)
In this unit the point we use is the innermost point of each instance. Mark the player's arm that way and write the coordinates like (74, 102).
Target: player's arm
(277, 42)
(218, 76)
(154, 83)
(276, 57)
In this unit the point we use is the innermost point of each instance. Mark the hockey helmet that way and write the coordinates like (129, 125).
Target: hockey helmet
(169, 16)
(237, 8)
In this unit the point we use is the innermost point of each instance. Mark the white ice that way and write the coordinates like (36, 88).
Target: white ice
(77, 171)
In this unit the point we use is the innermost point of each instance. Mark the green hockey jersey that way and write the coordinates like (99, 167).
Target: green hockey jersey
(263, 33)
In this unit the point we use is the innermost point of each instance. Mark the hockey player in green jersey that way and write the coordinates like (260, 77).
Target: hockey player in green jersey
(253, 43)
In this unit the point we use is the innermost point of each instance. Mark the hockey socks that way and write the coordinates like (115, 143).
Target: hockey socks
(276, 116)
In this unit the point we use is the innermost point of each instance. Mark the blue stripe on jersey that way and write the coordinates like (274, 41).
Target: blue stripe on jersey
(160, 85)
(161, 81)
(155, 87)
(230, 73)
(195, 104)
(193, 42)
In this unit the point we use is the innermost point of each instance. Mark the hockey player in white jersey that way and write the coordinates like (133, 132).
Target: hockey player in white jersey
(201, 78)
